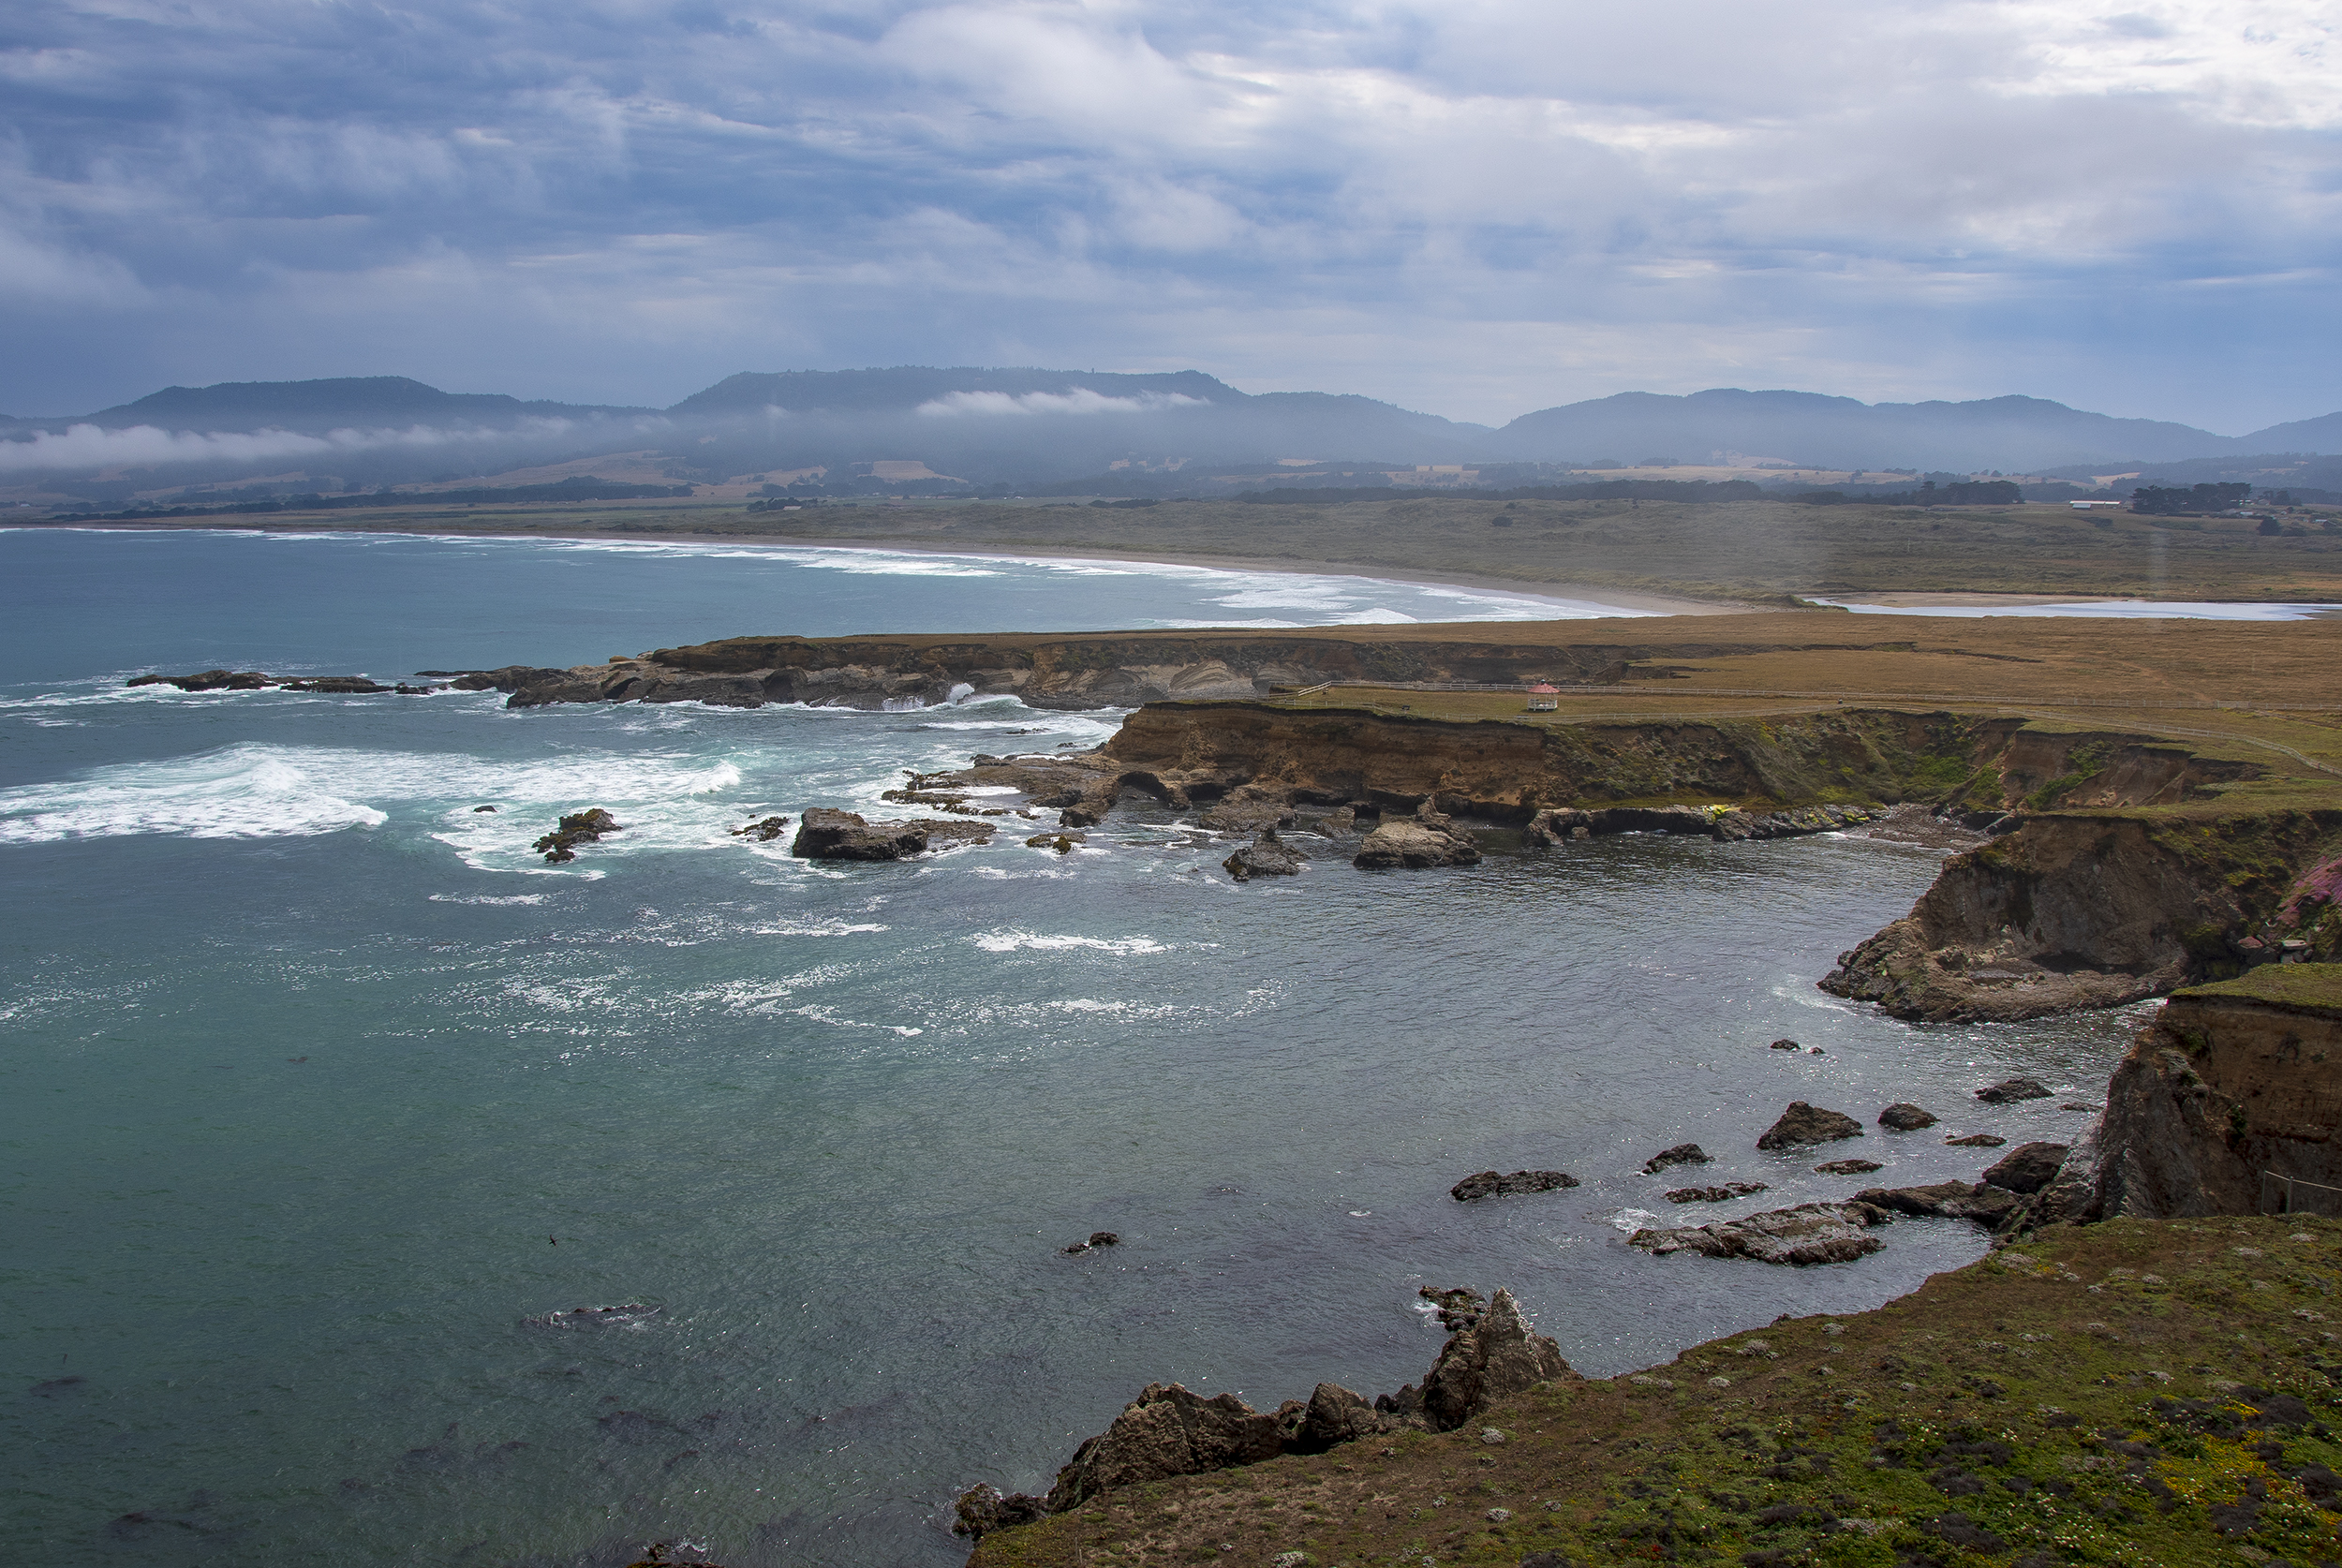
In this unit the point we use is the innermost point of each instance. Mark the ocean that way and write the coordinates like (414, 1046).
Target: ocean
(334, 1102)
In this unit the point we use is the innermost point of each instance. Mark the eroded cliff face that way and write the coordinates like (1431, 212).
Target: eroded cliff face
(2084, 909)
(1509, 772)
(2227, 1083)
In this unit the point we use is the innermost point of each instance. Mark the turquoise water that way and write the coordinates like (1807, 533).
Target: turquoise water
(325, 1087)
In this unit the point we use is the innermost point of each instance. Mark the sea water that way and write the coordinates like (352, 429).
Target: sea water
(331, 1102)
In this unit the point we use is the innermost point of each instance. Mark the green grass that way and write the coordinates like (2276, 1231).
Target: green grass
(2316, 987)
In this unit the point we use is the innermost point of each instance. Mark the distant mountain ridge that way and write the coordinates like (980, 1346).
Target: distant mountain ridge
(1030, 427)
(2012, 434)
(328, 403)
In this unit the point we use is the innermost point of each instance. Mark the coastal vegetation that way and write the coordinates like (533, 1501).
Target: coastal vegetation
(2130, 1392)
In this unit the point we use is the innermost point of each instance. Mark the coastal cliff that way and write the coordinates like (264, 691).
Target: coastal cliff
(1093, 670)
(2092, 908)
(2233, 1088)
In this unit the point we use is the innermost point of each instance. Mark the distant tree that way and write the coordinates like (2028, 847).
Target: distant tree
(2200, 501)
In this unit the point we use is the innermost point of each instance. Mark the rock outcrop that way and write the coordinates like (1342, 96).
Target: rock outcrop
(254, 680)
(983, 1508)
(1167, 1431)
(1723, 1193)
(1265, 856)
(1489, 1354)
(1988, 1205)
(2010, 1090)
(2028, 1168)
(1805, 1234)
(1489, 1184)
(1726, 824)
(1903, 1117)
(1681, 1154)
(578, 827)
(1427, 838)
(2230, 1100)
(827, 835)
(1802, 1124)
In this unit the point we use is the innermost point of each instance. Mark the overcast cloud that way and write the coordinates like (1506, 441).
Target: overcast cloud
(1476, 209)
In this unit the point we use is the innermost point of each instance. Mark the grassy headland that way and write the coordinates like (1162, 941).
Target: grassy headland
(2136, 1393)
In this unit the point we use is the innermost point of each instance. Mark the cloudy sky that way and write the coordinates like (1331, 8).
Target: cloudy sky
(1471, 207)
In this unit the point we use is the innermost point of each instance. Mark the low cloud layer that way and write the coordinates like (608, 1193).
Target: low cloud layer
(88, 448)
(1478, 208)
(1081, 400)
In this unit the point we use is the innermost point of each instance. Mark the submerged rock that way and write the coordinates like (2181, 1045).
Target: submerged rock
(1807, 1124)
(2010, 1089)
(1801, 1236)
(595, 1317)
(1977, 1140)
(1681, 1154)
(1847, 1167)
(1903, 1117)
(764, 832)
(1488, 1184)
(1265, 856)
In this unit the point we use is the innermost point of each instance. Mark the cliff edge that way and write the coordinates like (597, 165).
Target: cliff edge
(2230, 1102)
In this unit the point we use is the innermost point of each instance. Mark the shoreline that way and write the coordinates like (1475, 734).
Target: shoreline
(1639, 605)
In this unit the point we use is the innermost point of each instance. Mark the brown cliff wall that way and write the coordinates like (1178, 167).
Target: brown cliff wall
(2076, 909)
(1507, 771)
(2228, 1082)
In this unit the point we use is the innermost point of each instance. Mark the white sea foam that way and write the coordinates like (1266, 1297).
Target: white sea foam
(257, 790)
(484, 899)
(826, 1015)
(823, 928)
(1018, 942)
